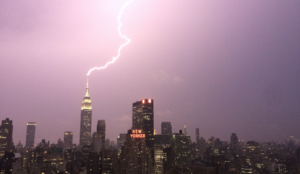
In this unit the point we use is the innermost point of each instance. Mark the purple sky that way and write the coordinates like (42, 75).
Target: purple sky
(221, 66)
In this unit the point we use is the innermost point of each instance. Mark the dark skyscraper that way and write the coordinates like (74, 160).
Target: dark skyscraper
(101, 131)
(68, 140)
(143, 118)
(166, 128)
(86, 120)
(197, 135)
(234, 143)
(30, 135)
(6, 132)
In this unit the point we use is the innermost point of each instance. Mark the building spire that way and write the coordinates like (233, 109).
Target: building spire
(87, 88)
(87, 92)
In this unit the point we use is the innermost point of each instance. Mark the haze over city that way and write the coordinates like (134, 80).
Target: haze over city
(220, 66)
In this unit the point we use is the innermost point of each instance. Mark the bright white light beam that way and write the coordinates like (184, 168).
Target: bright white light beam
(120, 48)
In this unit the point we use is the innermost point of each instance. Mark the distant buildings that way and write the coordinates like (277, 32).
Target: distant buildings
(166, 128)
(30, 135)
(197, 135)
(6, 132)
(107, 143)
(184, 130)
(86, 120)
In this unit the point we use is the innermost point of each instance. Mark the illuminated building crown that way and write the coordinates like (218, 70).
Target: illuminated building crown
(86, 103)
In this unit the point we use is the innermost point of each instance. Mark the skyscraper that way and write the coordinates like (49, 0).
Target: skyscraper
(143, 118)
(184, 129)
(234, 143)
(101, 131)
(197, 135)
(30, 135)
(68, 140)
(86, 120)
(6, 131)
(166, 128)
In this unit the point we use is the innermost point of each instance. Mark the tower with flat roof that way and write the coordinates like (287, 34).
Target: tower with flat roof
(30, 134)
(68, 140)
(101, 131)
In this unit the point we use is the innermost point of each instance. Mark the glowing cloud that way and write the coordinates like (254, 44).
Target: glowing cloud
(120, 48)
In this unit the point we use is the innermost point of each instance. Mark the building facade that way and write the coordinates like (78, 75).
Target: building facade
(181, 149)
(135, 156)
(68, 140)
(85, 120)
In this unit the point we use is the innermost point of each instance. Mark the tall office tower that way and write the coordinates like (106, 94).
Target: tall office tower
(6, 131)
(234, 143)
(184, 130)
(86, 120)
(181, 149)
(166, 128)
(68, 140)
(143, 118)
(197, 135)
(101, 131)
(30, 135)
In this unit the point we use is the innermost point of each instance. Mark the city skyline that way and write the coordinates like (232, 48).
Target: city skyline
(222, 67)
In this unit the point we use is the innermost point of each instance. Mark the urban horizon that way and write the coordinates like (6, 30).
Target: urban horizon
(225, 71)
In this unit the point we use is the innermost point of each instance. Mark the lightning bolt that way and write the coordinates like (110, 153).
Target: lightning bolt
(120, 48)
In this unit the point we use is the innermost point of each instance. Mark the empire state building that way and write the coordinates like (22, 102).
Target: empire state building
(86, 120)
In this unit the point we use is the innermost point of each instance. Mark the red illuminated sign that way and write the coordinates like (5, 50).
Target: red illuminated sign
(137, 133)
